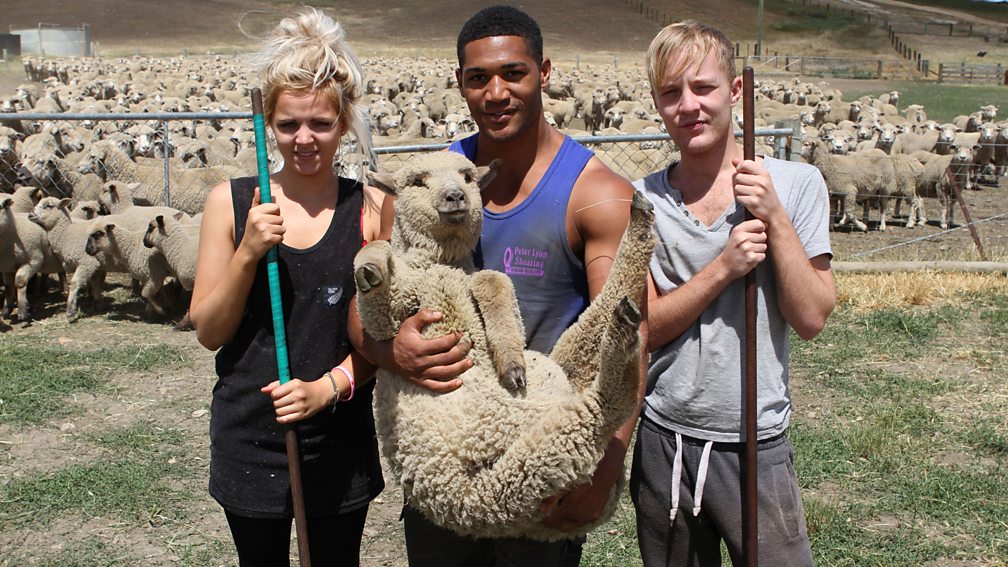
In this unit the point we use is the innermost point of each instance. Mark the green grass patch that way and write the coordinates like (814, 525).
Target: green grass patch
(942, 102)
(36, 379)
(614, 543)
(90, 552)
(126, 480)
(850, 340)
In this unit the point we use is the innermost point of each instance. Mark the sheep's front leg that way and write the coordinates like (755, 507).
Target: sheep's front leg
(505, 333)
(10, 298)
(21, 279)
(374, 275)
(149, 292)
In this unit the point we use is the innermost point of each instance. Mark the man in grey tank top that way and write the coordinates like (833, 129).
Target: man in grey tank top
(685, 480)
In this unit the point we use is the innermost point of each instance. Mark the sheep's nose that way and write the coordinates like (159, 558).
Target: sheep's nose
(452, 200)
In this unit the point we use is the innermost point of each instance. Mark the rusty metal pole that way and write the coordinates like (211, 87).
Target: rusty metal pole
(966, 214)
(750, 507)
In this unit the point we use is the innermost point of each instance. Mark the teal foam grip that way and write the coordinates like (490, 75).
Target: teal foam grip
(272, 264)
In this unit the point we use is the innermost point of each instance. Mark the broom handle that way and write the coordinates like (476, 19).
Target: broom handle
(280, 335)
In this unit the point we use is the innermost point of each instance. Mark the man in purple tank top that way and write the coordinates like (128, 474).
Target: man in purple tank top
(553, 219)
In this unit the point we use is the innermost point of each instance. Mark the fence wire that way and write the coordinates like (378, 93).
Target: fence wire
(175, 158)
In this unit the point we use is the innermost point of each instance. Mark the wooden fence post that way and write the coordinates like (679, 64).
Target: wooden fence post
(878, 74)
(941, 72)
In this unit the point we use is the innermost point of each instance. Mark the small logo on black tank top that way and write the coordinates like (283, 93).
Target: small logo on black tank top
(519, 261)
(331, 295)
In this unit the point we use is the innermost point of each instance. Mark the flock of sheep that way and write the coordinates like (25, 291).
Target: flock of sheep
(81, 198)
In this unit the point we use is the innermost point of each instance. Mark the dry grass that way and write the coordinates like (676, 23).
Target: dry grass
(868, 292)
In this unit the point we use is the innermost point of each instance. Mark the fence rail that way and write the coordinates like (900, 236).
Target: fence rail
(631, 155)
(839, 67)
(972, 73)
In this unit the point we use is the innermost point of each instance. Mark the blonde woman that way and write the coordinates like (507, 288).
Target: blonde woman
(311, 85)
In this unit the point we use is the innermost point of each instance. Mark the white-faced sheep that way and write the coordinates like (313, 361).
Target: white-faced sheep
(906, 171)
(864, 175)
(24, 252)
(480, 460)
(935, 180)
(125, 247)
(172, 235)
(68, 240)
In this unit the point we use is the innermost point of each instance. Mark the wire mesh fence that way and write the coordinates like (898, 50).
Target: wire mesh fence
(175, 158)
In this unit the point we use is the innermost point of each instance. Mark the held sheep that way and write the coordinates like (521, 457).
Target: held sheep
(526, 426)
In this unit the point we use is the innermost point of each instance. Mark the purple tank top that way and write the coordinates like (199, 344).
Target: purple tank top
(529, 244)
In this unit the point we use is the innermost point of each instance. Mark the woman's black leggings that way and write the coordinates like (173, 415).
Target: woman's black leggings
(264, 542)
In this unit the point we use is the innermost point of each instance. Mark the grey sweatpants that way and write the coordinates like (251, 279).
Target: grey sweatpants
(695, 540)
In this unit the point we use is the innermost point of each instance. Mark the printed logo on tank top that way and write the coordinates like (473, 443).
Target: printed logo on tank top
(331, 295)
(521, 261)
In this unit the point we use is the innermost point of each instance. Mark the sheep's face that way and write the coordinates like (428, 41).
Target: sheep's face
(155, 231)
(49, 211)
(437, 200)
(101, 239)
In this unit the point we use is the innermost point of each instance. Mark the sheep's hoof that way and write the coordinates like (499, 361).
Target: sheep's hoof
(641, 202)
(368, 277)
(627, 314)
(514, 377)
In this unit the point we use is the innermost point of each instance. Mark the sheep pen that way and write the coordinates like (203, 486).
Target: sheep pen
(107, 463)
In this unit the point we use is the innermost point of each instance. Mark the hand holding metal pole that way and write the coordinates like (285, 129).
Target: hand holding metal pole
(280, 335)
(750, 506)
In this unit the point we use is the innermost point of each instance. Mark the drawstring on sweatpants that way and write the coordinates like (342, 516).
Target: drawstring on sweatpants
(677, 477)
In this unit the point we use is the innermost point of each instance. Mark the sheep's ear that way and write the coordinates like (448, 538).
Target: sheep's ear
(109, 227)
(6, 202)
(64, 203)
(178, 216)
(382, 180)
(487, 173)
(132, 186)
(976, 147)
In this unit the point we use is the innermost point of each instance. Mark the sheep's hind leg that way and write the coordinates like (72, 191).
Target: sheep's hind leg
(505, 334)
(619, 372)
(577, 349)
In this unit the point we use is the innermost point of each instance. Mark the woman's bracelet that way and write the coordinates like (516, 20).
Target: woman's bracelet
(335, 390)
(350, 378)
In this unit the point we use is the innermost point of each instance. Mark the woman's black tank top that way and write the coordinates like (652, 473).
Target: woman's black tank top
(248, 459)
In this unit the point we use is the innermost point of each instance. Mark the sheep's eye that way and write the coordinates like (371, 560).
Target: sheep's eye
(468, 177)
(416, 182)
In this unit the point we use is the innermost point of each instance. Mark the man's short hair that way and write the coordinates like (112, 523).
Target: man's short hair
(498, 21)
(686, 43)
